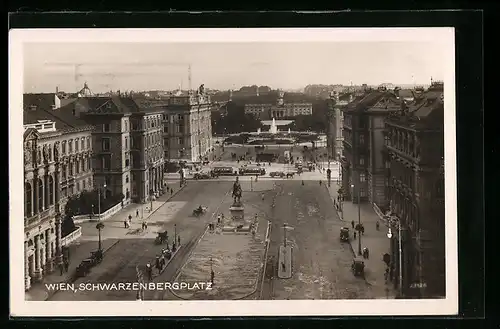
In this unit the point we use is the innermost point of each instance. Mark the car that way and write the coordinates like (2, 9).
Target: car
(201, 175)
(277, 174)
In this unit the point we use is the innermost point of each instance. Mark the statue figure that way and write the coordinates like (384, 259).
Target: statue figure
(201, 90)
(45, 153)
(39, 155)
(237, 191)
(27, 154)
(56, 152)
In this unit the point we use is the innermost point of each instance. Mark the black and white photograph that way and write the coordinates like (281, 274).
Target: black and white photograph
(233, 172)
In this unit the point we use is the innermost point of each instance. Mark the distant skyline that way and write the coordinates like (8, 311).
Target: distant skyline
(288, 65)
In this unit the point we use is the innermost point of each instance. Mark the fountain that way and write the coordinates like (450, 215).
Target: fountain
(273, 129)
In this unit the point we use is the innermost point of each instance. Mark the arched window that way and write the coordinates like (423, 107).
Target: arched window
(51, 191)
(28, 202)
(40, 195)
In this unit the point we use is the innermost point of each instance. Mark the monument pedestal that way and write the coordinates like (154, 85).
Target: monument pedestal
(237, 212)
(237, 222)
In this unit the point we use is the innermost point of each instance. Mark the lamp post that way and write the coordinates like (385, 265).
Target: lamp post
(400, 270)
(340, 168)
(359, 218)
(99, 225)
(251, 183)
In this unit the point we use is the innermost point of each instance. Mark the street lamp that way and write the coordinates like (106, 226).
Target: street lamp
(359, 218)
(99, 225)
(389, 235)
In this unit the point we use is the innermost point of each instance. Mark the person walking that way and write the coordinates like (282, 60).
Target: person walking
(377, 225)
(125, 223)
(352, 224)
(354, 235)
(149, 271)
(61, 268)
(137, 213)
(66, 265)
(178, 240)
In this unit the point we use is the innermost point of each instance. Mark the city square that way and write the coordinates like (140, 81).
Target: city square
(323, 192)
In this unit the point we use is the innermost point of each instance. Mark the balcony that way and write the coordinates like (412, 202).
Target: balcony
(41, 216)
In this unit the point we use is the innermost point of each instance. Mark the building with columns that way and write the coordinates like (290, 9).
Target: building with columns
(363, 164)
(187, 127)
(286, 105)
(47, 132)
(414, 141)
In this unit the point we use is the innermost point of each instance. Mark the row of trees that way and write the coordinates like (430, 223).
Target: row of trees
(86, 203)
(235, 121)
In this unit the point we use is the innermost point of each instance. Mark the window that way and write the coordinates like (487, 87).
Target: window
(362, 161)
(77, 186)
(181, 141)
(362, 192)
(71, 169)
(28, 211)
(126, 179)
(70, 146)
(135, 126)
(88, 165)
(106, 162)
(77, 145)
(40, 195)
(83, 165)
(105, 144)
(77, 166)
(126, 142)
(177, 128)
(64, 172)
(106, 127)
(126, 125)
(83, 184)
(361, 139)
(63, 147)
(127, 162)
(82, 142)
(362, 177)
(88, 143)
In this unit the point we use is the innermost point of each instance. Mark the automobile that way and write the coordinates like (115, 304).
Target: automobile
(277, 174)
(358, 266)
(344, 234)
(202, 175)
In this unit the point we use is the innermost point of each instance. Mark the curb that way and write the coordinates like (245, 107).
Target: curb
(71, 279)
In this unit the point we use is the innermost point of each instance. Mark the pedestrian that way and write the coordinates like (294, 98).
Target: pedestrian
(149, 271)
(125, 223)
(157, 262)
(377, 225)
(283, 267)
(362, 230)
(171, 191)
(66, 265)
(352, 224)
(218, 219)
(61, 268)
(178, 240)
(354, 235)
(137, 213)
(146, 225)
(142, 226)
(367, 253)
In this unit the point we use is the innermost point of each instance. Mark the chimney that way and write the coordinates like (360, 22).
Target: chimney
(57, 90)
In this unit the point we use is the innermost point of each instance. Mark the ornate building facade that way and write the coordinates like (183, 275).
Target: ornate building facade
(45, 177)
(187, 127)
(335, 123)
(415, 159)
(363, 163)
(281, 109)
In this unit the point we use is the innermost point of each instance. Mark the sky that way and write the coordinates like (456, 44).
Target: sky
(288, 65)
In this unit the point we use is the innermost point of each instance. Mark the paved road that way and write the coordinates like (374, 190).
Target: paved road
(119, 264)
(321, 263)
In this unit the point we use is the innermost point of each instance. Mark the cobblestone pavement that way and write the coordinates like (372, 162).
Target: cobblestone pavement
(321, 263)
(119, 264)
(237, 259)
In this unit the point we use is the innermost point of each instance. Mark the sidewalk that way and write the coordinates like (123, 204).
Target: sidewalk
(376, 241)
(81, 249)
